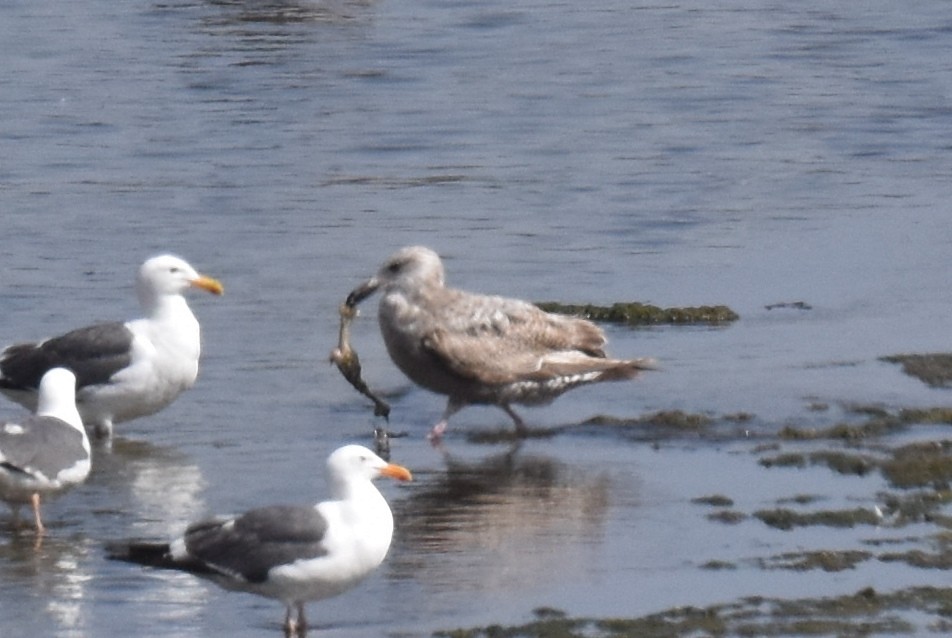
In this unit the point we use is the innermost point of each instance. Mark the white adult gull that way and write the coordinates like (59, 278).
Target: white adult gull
(123, 370)
(47, 452)
(294, 554)
(481, 349)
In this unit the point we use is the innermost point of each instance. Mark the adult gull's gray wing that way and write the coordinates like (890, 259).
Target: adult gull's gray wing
(40, 444)
(93, 353)
(250, 545)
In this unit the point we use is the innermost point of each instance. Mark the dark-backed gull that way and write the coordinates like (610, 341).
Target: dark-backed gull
(294, 554)
(123, 370)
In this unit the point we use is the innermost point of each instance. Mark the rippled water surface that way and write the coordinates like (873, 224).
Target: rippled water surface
(680, 154)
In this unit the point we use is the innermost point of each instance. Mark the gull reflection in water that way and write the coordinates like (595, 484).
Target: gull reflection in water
(157, 488)
(56, 572)
(135, 488)
(150, 491)
(505, 521)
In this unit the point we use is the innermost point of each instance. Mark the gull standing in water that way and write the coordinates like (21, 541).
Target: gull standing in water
(123, 370)
(47, 452)
(481, 349)
(294, 554)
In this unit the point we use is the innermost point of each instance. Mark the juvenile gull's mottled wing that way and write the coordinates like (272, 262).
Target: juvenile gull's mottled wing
(495, 340)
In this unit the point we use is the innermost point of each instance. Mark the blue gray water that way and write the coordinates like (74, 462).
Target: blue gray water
(677, 153)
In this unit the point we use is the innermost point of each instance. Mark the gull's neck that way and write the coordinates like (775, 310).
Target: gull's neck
(56, 405)
(354, 489)
(165, 307)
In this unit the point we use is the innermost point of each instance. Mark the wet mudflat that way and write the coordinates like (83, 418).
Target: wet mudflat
(864, 500)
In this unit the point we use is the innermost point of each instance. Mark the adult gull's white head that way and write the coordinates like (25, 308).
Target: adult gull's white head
(168, 275)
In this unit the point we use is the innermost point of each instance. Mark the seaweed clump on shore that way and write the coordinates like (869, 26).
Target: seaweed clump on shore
(934, 370)
(863, 613)
(639, 314)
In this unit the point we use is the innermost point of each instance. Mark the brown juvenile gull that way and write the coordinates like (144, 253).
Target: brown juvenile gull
(123, 370)
(47, 452)
(483, 349)
(294, 554)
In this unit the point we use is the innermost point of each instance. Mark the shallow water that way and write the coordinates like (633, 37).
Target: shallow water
(678, 154)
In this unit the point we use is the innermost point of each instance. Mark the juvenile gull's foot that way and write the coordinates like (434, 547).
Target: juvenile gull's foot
(382, 443)
(436, 433)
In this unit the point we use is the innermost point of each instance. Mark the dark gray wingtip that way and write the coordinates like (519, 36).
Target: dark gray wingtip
(152, 554)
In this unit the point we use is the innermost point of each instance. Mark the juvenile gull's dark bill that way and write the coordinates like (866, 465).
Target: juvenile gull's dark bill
(481, 349)
(294, 554)
(123, 370)
(44, 453)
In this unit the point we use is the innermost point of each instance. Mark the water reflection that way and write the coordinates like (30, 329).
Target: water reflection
(499, 522)
(57, 569)
(145, 490)
(158, 487)
(135, 488)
